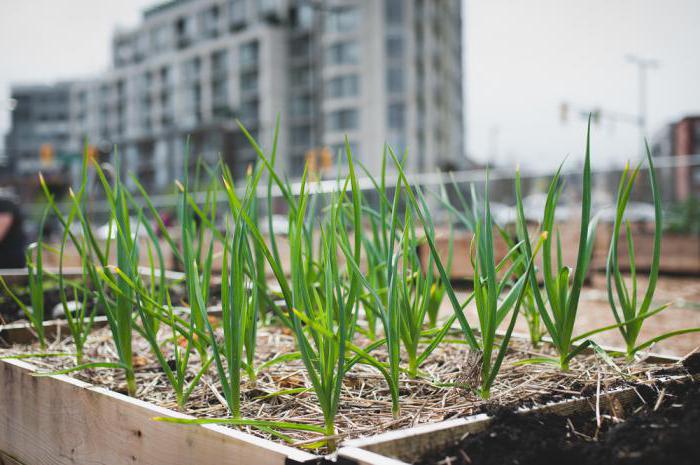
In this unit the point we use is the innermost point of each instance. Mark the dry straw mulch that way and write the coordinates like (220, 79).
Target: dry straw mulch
(365, 406)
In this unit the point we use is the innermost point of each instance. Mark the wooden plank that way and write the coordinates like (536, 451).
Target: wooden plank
(19, 275)
(410, 444)
(61, 420)
(356, 456)
(8, 460)
(21, 332)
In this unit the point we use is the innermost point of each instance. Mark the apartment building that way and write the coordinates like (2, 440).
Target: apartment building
(375, 71)
(40, 126)
(680, 141)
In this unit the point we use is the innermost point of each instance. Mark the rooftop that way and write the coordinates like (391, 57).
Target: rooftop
(159, 8)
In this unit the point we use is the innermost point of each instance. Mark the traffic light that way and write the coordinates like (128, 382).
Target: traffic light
(93, 153)
(319, 160)
(326, 159)
(311, 160)
(46, 154)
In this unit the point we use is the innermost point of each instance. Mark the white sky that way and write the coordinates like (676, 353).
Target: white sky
(522, 58)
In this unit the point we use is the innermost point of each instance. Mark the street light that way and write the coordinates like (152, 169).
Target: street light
(643, 64)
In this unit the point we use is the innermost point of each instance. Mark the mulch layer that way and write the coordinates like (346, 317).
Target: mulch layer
(365, 405)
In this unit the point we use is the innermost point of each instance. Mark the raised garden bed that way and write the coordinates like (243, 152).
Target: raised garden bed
(355, 349)
(70, 408)
(462, 268)
(639, 422)
(17, 280)
(680, 253)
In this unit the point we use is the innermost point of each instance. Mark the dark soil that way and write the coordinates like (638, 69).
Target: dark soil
(670, 434)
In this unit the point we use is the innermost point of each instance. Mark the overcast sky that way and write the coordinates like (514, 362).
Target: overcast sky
(522, 59)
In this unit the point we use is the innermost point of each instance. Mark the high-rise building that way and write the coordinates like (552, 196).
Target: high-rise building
(40, 126)
(375, 71)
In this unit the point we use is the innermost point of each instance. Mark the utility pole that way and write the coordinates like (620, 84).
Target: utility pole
(643, 64)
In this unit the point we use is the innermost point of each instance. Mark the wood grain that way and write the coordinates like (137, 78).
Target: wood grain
(61, 420)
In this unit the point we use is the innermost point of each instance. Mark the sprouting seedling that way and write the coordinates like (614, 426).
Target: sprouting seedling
(118, 309)
(487, 289)
(153, 306)
(300, 289)
(530, 310)
(35, 312)
(490, 309)
(79, 320)
(193, 266)
(630, 313)
(239, 307)
(466, 215)
(120, 314)
(235, 305)
(437, 291)
(559, 306)
(323, 345)
(415, 294)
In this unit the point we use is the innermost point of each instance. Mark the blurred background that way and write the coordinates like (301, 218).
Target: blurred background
(463, 86)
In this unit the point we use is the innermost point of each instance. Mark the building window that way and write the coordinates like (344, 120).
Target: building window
(339, 151)
(145, 81)
(209, 20)
(394, 80)
(190, 69)
(248, 54)
(300, 136)
(394, 47)
(343, 86)
(267, 8)
(300, 106)
(249, 81)
(219, 63)
(395, 115)
(300, 47)
(167, 109)
(192, 97)
(343, 120)
(249, 112)
(343, 20)
(343, 53)
(236, 12)
(393, 11)
(300, 77)
(302, 16)
(185, 31)
(141, 47)
(166, 77)
(220, 104)
(159, 38)
(124, 52)
(397, 141)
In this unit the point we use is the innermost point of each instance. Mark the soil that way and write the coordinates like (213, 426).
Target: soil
(665, 429)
